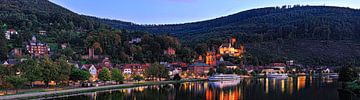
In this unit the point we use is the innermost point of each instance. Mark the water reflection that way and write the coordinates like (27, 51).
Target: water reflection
(248, 89)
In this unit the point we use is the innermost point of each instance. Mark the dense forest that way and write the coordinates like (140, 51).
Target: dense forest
(315, 35)
(320, 35)
(80, 33)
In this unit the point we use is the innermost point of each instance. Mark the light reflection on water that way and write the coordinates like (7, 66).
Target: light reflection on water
(299, 88)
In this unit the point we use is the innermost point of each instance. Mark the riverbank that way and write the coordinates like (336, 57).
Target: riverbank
(35, 95)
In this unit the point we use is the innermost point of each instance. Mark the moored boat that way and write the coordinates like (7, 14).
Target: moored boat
(224, 77)
(277, 75)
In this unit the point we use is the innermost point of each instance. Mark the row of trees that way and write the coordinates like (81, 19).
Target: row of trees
(157, 71)
(115, 75)
(31, 70)
(46, 70)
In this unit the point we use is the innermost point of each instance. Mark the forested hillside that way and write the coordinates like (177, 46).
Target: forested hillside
(32, 15)
(309, 34)
(78, 33)
(316, 35)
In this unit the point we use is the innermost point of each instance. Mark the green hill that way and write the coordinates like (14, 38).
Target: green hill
(310, 34)
(320, 35)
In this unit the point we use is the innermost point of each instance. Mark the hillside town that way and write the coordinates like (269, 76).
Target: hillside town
(200, 68)
(179, 50)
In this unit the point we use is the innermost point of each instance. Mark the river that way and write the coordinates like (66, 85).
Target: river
(299, 88)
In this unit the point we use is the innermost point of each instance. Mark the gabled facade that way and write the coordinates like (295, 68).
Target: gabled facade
(137, 69)
(94, 72)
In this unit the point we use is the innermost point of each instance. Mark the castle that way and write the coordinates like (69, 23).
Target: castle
(230, 48)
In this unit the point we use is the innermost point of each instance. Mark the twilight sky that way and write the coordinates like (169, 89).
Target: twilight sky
(180, 11)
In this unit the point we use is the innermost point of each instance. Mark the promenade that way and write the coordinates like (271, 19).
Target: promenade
(85, 89)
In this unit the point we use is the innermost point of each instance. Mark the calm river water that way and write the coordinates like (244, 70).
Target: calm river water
(300, 88)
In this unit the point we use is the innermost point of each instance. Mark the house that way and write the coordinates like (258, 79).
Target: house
(93, 69)
(42, 32)
(137, 69)
(15, 53)
(135, 40)
(169, 51)
(199, 69)
(176, 67)
(273, 70)
(106, 63)
(10, 62)
(231, 49)
(63, 45)
(10, 32)
(94, 72)
(290, 63)
(37, 48)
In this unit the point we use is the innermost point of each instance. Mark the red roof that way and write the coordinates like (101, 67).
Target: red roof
(182, 64)
(12, 30)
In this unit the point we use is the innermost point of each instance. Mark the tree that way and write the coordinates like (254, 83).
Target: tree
(137, 78)
(229, 71)
(156, 70)
(163, 72)
(33, 70)
(64, 69)
(177, 77)
(239, 71)
(105, 74)
(16, 81)
(2, 71)
(79, 75)
(211, 72)
(50, 71)
(221, 68)
(3, 47)
(117, 76)
(347, 74)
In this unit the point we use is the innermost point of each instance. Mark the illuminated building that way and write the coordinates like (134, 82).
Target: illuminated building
(199, 69)
(36, 48)
(231, 49)
(210, 58)
(169, 51)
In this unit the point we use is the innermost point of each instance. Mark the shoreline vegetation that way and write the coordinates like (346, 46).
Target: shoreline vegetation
(34, 95)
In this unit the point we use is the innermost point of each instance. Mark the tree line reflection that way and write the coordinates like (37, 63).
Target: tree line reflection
(246, 89)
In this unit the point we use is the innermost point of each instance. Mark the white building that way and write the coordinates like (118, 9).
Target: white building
(127, 71)
(9, 33)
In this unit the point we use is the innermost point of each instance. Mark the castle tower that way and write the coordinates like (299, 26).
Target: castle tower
(233, 41)
(210, 58)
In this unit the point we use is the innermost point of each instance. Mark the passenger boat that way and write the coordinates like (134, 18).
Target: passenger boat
(224, 77)
(277, 75)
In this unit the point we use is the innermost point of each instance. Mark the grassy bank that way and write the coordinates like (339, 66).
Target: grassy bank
(34, 95)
